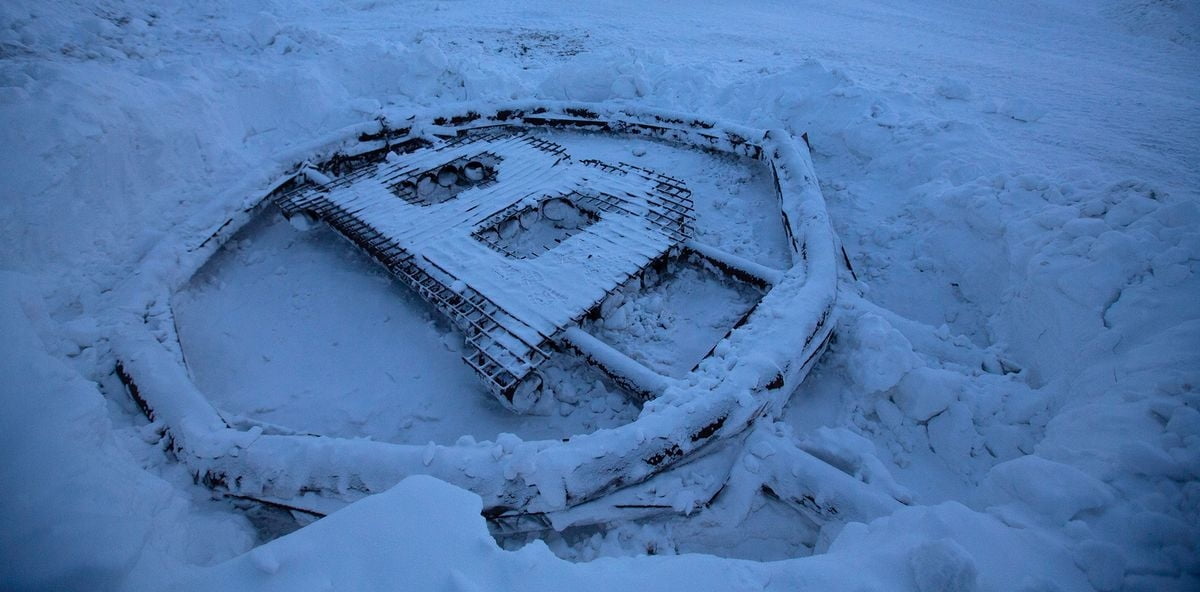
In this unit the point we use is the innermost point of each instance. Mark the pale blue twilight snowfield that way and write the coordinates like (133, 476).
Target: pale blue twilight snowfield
(1016, 366)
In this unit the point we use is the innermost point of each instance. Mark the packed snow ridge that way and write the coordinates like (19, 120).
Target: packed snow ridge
(1010, 402)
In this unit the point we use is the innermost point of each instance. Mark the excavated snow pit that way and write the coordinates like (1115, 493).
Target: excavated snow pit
(574, 311)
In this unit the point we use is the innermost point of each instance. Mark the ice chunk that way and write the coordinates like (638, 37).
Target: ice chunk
(1052, 490)
(953, 89)
(943, 566)
(1141, 458)
(1185, 421)
(952, 434)
(508, 441)
(881, 355)
(925, 392)
(1103, 563)
(263, 28)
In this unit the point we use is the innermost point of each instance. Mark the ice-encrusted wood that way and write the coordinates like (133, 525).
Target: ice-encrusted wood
(544, 293)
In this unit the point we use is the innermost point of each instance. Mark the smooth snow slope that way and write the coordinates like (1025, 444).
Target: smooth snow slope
(1015, 185)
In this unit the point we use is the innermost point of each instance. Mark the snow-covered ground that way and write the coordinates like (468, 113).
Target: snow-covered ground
(1014, 183)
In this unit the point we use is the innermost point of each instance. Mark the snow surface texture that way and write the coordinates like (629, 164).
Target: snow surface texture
(1014, 184)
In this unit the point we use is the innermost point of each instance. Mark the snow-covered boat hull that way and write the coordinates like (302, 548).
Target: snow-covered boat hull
(748, 375)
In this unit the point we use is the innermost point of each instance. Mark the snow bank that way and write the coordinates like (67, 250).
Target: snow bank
(79, 513)
(429, 536)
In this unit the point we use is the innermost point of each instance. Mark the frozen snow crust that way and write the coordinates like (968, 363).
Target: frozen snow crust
(747, 376)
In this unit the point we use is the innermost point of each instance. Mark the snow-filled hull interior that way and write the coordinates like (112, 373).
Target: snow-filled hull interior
(529, 250)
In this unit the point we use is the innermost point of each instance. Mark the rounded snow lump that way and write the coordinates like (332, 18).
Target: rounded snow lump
(943, 566)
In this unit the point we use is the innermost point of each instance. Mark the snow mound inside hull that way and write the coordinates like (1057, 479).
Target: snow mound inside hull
(672, 324)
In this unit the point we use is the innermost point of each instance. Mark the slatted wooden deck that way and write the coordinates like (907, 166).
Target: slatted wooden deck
(441, 237)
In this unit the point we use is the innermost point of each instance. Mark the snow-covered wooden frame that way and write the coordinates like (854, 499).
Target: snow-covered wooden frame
(749, 375)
